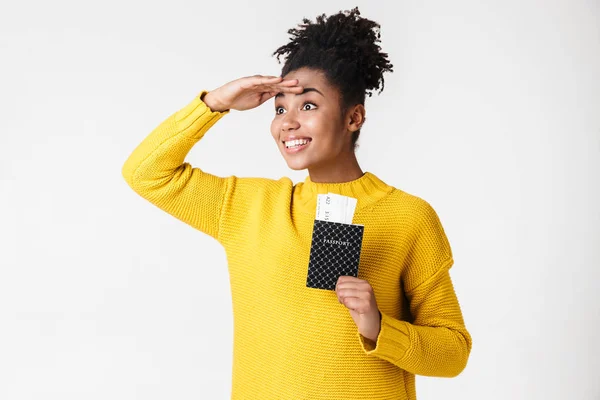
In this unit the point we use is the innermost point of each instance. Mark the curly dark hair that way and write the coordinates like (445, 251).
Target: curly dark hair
(344, 46)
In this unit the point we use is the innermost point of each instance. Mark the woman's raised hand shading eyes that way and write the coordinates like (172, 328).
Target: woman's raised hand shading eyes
(249, 92)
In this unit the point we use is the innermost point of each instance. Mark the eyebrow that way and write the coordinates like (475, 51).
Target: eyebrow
(306, 90)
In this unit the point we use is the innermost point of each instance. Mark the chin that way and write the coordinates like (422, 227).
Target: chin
(296, 164)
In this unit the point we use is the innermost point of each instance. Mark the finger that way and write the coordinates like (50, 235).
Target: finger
(350, 278)
(290, 82)
(284, 89)
(266, 80)
(274, 84)
(353, 285)
(270, 79)
(278, 89)
(283, 84)
(277, 84)
(354, 304)
(294, 89)
(256, 81)
(357, 293)
(343, 297)
(266, 96)
(259, 77)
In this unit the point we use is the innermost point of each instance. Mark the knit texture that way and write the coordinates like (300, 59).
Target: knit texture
(294, 342)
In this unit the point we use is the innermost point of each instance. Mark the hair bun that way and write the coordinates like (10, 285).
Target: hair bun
(344, 44)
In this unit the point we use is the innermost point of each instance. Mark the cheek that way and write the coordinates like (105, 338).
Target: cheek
(316, 126)
(327, 131)
(275, 129)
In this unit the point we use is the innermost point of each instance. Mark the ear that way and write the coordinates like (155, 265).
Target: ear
(355, 118)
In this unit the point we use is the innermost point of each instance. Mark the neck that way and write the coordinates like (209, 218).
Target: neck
(367, 189)
(342, 169)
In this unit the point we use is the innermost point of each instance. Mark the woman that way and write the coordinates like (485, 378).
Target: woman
(369, 337)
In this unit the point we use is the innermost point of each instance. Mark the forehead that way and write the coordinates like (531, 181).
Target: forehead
(308, 77)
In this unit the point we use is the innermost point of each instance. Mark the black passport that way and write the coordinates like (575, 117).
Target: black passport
(334, 251)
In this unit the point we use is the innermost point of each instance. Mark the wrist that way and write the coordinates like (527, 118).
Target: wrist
(212, 103)
(374, 334)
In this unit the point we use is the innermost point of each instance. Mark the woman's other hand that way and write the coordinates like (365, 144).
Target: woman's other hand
(358, 296)
(249, 92)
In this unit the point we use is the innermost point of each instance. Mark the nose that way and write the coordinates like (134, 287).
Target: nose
(290, 121)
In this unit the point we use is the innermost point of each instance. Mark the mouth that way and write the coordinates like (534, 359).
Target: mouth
(294, 146)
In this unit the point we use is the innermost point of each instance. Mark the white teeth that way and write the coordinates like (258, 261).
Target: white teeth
(297, 142)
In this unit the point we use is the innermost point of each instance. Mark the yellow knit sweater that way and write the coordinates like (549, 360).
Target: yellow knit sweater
(294, 342)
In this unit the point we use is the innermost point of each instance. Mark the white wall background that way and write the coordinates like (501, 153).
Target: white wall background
(492, 115)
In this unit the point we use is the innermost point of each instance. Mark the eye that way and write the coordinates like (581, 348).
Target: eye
(308, 104)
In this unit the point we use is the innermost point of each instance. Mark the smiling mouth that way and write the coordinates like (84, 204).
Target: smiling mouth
(296, 144)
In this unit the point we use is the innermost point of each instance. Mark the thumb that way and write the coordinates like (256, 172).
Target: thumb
(266, 96)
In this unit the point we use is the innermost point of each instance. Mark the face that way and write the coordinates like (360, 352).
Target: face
(308, 128)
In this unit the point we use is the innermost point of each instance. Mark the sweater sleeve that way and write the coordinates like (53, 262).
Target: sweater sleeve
(436, 342)
(156, 169)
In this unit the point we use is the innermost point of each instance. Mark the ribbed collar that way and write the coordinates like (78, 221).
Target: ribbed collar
(367, 190)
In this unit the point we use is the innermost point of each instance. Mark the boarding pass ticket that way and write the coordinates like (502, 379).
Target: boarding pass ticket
(335, 208)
